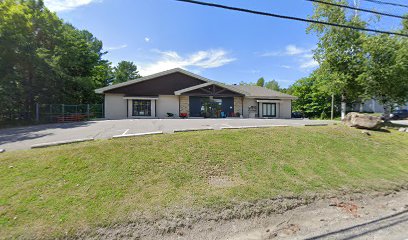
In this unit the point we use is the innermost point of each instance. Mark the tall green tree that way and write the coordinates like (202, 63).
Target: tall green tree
(339, 51)
(273, 85)
(125, 71)
(312, 101)
(385, 76)
(260, 82)
(44, 60)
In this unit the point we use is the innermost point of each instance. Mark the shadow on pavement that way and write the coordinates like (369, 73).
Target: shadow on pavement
(11, 135)
(366, 228)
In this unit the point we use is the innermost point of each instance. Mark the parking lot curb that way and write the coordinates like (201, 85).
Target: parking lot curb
(246, 127)
(51, 144)
(193, 129)
(317, 125)
(137, 134)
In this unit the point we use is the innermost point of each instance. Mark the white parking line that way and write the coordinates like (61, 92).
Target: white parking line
(126, 131)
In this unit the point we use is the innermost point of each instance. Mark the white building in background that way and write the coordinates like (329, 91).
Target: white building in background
(372, 106)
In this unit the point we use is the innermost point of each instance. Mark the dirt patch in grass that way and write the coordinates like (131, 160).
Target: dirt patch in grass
(193, 223)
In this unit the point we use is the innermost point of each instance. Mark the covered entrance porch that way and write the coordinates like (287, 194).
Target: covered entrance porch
(210, 100)
(211, 107)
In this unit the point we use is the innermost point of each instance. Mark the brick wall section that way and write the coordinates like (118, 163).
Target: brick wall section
(185, 104)
(238, 104)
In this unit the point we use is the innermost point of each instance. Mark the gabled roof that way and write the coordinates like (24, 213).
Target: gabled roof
(160, 74)
(262, 92)
(248, 91)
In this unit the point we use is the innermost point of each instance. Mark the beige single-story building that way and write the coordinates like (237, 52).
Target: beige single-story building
(179, 93)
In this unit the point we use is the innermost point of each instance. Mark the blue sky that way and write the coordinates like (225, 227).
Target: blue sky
(222, 45)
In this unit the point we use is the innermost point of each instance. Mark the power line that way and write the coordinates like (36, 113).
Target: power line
(387, 3)
(289, 17)
(358, 9)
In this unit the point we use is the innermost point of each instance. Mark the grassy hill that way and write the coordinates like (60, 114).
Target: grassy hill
(60, 190)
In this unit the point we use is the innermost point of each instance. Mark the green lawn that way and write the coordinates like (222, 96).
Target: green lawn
(48, 192)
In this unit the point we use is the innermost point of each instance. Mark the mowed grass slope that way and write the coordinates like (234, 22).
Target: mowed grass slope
(59, 190)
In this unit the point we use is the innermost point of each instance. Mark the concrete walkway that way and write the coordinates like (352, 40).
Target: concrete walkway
(25, 137)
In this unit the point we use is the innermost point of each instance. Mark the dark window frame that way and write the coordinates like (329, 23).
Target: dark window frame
(139, 106)
(263, 115)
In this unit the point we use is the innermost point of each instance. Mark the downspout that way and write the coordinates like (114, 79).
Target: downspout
(242, 107)
(127, 108)
(258, 111)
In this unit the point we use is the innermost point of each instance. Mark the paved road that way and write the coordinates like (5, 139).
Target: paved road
(24, 137)
(402, 122)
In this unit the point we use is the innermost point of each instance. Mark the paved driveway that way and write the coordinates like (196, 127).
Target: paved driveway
(24, 137)
(402, 122)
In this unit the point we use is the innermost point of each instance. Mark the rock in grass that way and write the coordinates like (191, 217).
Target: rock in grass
(366, 133)
(362, 121)
(2, 150)
(403, 129)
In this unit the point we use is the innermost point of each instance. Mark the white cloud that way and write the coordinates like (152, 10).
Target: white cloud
(304, 56)
(309, 63)
(65, 5)
(147, 39)
(285, 66)
(201, 59)
(290, 50)
(116, 47)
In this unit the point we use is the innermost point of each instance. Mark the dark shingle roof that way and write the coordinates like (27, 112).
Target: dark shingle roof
(262, 92)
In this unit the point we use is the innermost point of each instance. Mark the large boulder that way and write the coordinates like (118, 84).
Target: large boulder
(362, 121)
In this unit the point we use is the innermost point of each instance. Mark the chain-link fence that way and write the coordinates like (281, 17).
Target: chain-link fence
(51, 113)
(68, 113)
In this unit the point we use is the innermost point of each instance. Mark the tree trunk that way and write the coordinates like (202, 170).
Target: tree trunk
(387, 112)
(29, 99)
(343, 106)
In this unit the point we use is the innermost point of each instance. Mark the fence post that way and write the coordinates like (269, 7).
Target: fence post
(87, 110)
(63, 113)
(37, 112)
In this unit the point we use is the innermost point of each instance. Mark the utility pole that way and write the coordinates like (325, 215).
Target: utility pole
(332, 108)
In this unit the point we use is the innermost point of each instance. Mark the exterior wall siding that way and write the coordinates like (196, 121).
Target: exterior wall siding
(167, 104)
(285, 109)
(250, 102)
(185, 104)
(115, 106)
(238, 105)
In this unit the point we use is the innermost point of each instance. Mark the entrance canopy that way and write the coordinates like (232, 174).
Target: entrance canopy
(209, 89)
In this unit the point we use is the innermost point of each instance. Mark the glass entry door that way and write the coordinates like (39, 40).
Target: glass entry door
(269, 109)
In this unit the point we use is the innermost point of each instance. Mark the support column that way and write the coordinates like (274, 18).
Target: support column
(185, 104)
(238, 106)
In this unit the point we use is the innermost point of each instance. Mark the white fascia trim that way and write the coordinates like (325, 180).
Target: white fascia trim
(140, 98)
(269, 101)
(271, 97)
(179, 92)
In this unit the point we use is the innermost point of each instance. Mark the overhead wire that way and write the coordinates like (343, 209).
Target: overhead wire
(214, 5)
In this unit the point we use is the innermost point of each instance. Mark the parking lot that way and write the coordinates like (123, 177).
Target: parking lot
(24, 137)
